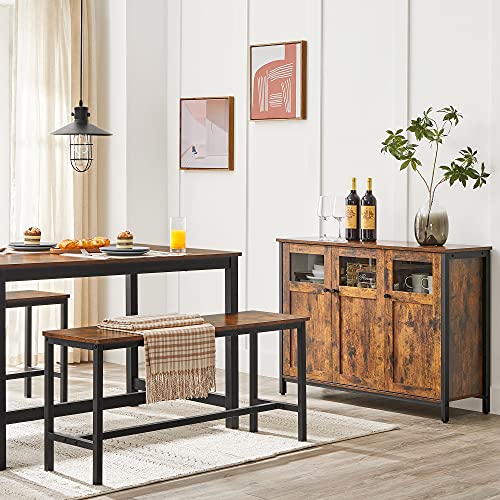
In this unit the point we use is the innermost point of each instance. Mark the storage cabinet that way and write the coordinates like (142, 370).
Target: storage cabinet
(393, 319)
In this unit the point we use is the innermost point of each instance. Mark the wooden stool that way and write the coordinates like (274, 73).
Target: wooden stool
(29, 299)
(249, 323)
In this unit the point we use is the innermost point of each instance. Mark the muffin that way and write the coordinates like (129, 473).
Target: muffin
(32, 236)
(125, 240)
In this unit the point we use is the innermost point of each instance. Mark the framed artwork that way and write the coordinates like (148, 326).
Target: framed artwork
(206, 133)
(278, 76)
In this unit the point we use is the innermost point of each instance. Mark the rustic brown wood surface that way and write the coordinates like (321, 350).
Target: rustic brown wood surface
(358, 315)
(386, 245)
(93, 335)
(24, 298)
(465, 327)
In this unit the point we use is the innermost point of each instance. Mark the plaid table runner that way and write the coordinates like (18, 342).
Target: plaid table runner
(180, 354)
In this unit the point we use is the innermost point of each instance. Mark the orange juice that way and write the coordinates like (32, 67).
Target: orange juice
(178, 239)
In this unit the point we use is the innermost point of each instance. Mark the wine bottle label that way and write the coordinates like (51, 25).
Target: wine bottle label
(351, 217)
(367, 217)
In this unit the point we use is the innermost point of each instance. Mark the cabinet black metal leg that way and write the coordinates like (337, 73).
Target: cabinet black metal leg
(254, 374)
(97, 425)
(63, 389)
(301, 382)
(132, 309)
(486, 404)
(445, 412)
(282, 386)
(231, 344)
(28, 334)
(486, 333)
(49, 407)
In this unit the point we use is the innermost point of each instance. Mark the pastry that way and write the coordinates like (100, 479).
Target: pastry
(32, 236)
(86, 243)
(125, 240)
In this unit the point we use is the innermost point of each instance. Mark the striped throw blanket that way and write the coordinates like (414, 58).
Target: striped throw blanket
(180, 354)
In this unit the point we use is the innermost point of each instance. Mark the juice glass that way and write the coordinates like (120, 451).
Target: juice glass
(178, 234)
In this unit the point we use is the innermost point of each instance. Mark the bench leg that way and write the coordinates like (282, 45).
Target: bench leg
(254, 373)
(63, 388)
(97, 409)
(132, 309)
(49, 406)
(28, 329)
(301, 382)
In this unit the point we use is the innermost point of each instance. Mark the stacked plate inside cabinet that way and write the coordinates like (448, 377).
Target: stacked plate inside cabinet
(318, 273)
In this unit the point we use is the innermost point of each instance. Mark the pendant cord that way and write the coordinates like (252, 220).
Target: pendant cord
(81, 52)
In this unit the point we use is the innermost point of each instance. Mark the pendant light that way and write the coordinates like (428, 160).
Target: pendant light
(80, 131)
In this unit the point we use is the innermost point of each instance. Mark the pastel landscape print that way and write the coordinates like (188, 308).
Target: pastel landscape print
(278, 83)
(206, 140)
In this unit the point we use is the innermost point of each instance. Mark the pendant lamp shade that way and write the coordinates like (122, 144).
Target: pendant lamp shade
(80, 130)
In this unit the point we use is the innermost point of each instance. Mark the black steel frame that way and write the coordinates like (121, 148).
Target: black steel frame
(444, 403)
(95, 440)
(131, 269)
(29, 371)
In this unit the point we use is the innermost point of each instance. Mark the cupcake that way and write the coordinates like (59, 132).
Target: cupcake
(125, 240)
(32, 236)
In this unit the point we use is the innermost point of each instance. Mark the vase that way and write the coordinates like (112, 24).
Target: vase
(431, 224)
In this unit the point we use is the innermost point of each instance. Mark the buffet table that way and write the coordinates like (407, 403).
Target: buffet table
(41, 266)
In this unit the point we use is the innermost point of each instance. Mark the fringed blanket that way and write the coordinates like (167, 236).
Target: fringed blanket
(180, 354)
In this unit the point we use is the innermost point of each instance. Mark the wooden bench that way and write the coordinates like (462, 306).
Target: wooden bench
(29, 299)
(249, 323)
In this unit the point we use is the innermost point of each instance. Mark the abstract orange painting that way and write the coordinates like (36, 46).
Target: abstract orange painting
(278, 81)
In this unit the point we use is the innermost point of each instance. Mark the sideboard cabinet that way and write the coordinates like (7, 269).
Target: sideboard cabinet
(390, 318)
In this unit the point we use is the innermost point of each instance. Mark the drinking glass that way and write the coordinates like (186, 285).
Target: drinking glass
(325, 211)
(178, 234)
(339, 214)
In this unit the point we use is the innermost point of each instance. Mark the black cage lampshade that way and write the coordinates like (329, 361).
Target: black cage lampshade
(80, 130)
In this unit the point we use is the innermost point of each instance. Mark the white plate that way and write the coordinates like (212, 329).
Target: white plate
(310, 277)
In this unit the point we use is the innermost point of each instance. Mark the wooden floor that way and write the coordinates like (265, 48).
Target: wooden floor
(423, 459)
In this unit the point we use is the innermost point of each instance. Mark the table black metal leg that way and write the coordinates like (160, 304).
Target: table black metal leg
(301, 382)
(28, 334)
(49, 407)
(231, 344)
(486, 334)
(97, 423)
(254, 374)
(3, 387)
(132, 309)
(63, 389)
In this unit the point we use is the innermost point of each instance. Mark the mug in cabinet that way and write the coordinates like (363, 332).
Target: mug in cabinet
(427, 284)
(417, 282)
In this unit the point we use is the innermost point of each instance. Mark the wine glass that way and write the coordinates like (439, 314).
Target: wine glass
(325, 211)
(339, 214)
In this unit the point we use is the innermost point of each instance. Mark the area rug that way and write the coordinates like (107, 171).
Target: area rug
(156, 456)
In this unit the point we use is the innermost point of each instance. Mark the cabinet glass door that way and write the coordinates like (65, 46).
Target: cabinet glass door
(307, 279)
(413, 294)
(357, 317)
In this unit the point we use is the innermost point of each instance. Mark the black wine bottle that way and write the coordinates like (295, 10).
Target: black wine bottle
(368, 214)
(352, 214)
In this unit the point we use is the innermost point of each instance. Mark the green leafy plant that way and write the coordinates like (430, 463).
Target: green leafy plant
(464, 168)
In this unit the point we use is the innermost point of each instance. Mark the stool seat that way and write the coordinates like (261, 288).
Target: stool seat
(26, 298)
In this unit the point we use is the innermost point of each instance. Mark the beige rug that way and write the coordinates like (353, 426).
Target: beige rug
(146, 458)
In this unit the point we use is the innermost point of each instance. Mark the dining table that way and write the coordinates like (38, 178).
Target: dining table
(35, 266)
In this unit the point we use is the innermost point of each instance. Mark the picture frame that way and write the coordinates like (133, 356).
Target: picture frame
(278, 81)
(206, 133)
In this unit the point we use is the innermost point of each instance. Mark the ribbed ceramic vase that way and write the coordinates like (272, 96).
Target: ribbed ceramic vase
(431, 224)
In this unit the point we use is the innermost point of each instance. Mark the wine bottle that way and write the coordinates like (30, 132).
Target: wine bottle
(352, 214)
(368, 214)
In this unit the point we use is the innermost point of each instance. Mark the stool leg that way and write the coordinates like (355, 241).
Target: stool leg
(97, 408)
(49, 406)
(253, 380)
(301, 382)
(28, 329)
(63, 388)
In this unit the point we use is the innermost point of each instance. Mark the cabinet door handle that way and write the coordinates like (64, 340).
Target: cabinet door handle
(326, 290)
(335, 290)
(387, 296)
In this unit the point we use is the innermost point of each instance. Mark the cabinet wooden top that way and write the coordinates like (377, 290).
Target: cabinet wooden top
(388, 245)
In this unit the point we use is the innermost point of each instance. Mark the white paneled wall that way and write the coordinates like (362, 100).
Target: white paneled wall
(371, 66)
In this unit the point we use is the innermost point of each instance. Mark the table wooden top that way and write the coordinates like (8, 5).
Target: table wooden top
(23, 298)
(389, 245)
